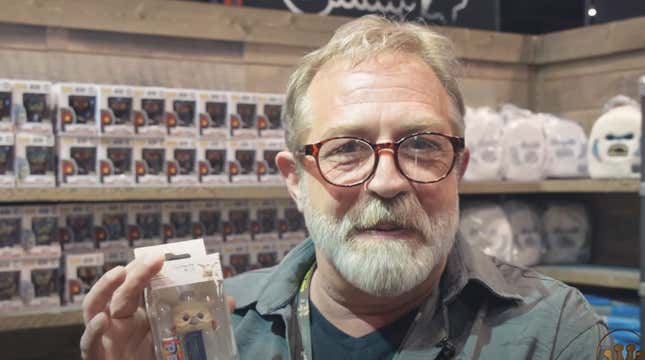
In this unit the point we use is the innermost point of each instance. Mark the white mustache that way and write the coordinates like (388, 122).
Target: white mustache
(402, 212)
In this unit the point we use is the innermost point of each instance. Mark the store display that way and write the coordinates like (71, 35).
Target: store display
(145, 224)
(77, 108)
(35, 160)
(77, 161)
(40, 282)
(10, 299)
(150, 162)
(209, 217)
(264, 248)
(112, 233)
(40, 230)
(242, 157)
(81, 272)
(486, 226)
(266, 168)
(181, 107)
(77, 227)
(243, 120)
(524, 149)
(6, 104)
(182, 163)
(178, 222)
(212, 157)
(150, 111)
(528, 248)
(116, 109)
(32, 106)
(483, 133)
(269, 119)
(614, 143)
(236, 257)
(11, 245)
(566, 148)
(213, 108)
(567, 233)
(116, 161)
(186, 304)
(7, 160)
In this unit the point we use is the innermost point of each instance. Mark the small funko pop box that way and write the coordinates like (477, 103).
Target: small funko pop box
(270, 115)
(77, 111)
(7, 160)
(243, 118)
(208, 215)
(77, 161)
(116, 109)
(116, 162)
(266, 168)
(264, 231)
(40, 282)
(32, 106)
(186, 304)
(291, 226)
(11, 245)
(181, 106)
(35, 160)
(81, 272)
(182, 161)
(178, 222)
(242, 156)
(150, 162)
(10, 285)
(76, 223)
(6, 106)
(145, 220)
(40, 231)
(112, 233)
(213, 108)
(236, 257)
(212, 155)
(149, 111)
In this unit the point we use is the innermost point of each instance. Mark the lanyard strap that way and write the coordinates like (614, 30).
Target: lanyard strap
(302, 310)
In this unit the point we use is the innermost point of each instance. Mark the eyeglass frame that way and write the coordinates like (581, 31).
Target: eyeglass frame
(458, 145)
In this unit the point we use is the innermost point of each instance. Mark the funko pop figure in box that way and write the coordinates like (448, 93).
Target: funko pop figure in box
(6, 159)
(10, 232)
(216, 160)
(191, 319)
(85, 159)
(35, 107)
(121, 160)
(40, 159)
(5, 105)
(185, 112)
(154, 109)
(9, 285)
(154, 159)
(247, 114)
(44, 282)
(180, 222)
(44, 229)
(217, 113)
(246, 159)
(186, 161)
(272, 113)
(121, 108)
(84, 108)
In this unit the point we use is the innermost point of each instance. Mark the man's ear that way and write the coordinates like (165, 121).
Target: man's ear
(463, 163)
(286, 162)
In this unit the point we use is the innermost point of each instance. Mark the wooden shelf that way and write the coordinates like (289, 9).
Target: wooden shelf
(128, 194)
(550, 186)
(594, 275)
(279, 192)
(36, 319)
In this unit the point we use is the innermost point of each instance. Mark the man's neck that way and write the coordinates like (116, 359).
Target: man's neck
(356, 312)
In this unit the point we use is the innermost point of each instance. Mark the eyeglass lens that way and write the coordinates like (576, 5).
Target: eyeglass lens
(422, 158)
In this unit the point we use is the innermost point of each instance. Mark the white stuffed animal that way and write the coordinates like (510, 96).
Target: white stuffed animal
(484, 129)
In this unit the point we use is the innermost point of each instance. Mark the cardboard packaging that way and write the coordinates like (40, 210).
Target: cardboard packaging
(116, 109)
(77, 161)
(35, 160)
(116, 161)
(7, 160)
(150, 162)
(181, 105)
(213, 108)
(32, 106)
(269, 120)
(150, 112)
(243, 118)
(182, 161)
(145, 221)
(77, 110)
(212, 158)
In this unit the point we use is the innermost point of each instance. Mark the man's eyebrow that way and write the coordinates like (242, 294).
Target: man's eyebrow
(407, 128)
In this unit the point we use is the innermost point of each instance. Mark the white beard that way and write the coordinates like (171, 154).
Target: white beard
(377, 267)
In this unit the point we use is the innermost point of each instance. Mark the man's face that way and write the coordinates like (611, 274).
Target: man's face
(386, 235)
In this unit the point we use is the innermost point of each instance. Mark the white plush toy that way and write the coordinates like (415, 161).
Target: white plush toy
(524, 148)
(614, 143)
(566, 148)
(484, 128)
(566, 228)
(527, 240)
(485, 226)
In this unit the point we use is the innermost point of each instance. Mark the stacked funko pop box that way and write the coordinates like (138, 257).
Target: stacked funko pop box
(84, 135)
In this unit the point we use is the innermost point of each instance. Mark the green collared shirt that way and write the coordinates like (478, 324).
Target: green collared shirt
(487, 309)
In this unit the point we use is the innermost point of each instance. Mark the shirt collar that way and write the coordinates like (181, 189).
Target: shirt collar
(465, 266)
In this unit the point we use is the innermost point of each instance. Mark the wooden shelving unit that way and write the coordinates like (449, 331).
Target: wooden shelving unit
(277, 191)
(594, 275)
(37, 319)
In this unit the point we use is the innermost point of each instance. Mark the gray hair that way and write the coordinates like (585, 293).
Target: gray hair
(359, 40)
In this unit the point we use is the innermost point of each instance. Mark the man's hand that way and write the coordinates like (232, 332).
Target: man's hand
(116, 325)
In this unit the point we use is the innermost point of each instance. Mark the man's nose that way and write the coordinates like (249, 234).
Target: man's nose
(387, 181)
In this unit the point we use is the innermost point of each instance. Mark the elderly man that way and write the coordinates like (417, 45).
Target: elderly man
(375, 155)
